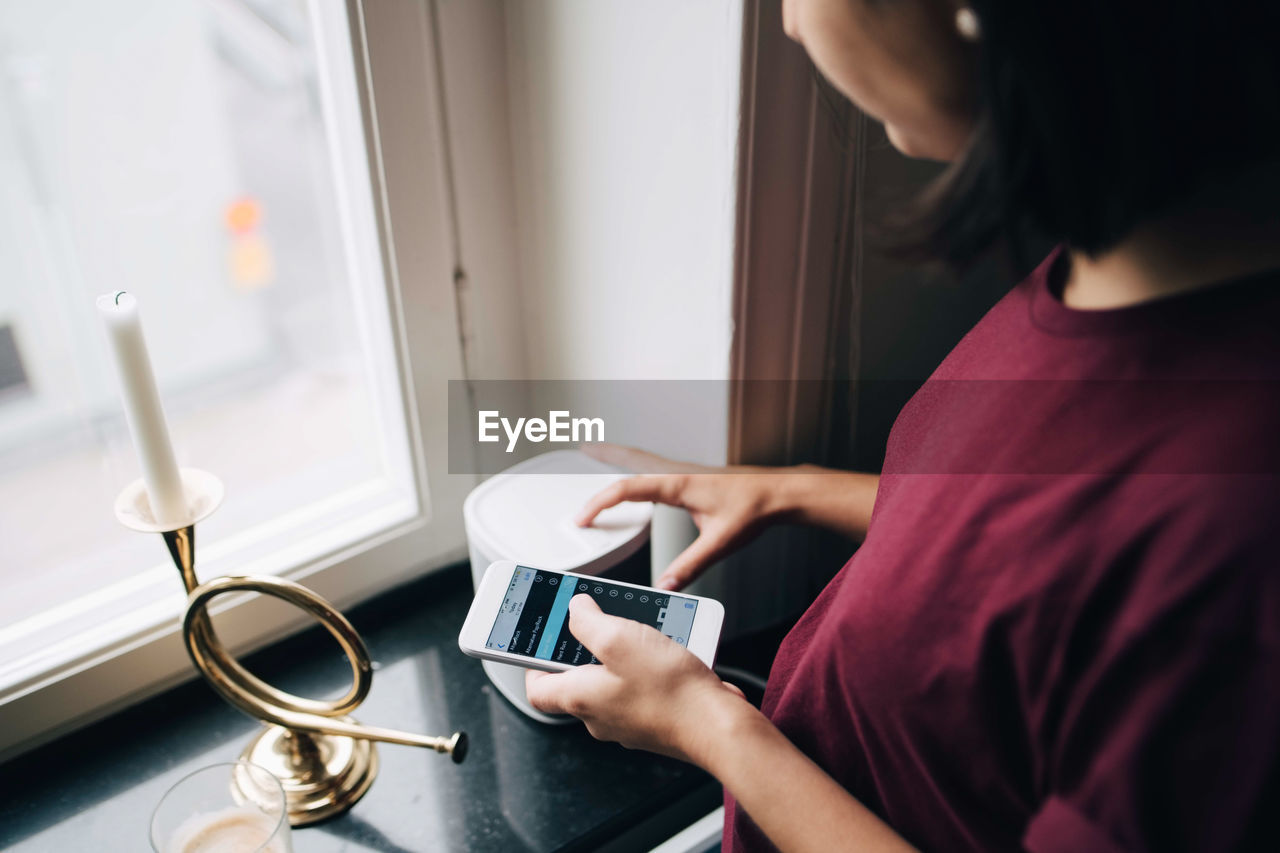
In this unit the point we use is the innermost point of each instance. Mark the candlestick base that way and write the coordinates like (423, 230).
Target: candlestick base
(322, 775)
(325, 760)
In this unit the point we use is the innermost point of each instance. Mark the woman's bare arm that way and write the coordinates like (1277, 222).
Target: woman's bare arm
(650, 693)
(793, 801)
(823, 497)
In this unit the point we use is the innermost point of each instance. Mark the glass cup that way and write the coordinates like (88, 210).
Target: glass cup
(224, 808)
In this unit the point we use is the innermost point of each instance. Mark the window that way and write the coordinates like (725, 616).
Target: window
(222, 160)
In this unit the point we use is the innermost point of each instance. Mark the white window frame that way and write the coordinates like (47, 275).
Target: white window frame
(404, 134)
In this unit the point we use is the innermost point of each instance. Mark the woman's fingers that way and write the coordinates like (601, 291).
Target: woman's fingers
(561, 692)
(540, 689)
(691, 562)
(594, 628)
(613, 640)
(549, 692)
(572, 692)
(653, 487)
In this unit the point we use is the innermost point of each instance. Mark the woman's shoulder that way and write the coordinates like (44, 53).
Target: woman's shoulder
(1226, 330)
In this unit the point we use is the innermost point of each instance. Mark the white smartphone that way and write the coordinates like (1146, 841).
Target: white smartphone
(521, 616)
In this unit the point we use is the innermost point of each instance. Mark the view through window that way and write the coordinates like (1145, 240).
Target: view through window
(186, 151)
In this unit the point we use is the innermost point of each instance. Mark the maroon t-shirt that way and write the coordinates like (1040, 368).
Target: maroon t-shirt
(1062, 632)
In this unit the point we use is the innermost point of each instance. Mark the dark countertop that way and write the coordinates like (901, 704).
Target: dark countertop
(523, 786)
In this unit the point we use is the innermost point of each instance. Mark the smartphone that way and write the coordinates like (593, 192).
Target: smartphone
(521, 616)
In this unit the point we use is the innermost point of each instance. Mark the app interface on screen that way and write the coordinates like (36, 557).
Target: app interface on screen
(534, 618)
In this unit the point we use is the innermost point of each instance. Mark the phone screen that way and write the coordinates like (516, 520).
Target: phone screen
(534, 618)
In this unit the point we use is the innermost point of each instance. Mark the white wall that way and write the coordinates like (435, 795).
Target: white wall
(624, 128)
(622, 120)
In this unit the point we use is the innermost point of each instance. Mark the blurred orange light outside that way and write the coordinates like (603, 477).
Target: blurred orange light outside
(243, 215)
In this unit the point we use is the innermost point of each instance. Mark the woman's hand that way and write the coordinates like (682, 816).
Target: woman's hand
(647, 693)
(729, 505)
(650, 693)
(732, 505)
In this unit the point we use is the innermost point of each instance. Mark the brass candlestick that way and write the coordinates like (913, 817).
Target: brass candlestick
(325, 760)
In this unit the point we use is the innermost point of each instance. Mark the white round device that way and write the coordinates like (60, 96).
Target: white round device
(526, 514)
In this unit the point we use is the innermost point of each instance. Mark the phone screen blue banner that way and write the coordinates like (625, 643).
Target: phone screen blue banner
(533, 619)
(555, 620)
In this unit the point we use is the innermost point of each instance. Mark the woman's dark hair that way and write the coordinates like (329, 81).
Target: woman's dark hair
(1095, 115)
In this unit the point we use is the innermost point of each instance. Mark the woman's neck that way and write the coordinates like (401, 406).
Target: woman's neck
(1229, 231)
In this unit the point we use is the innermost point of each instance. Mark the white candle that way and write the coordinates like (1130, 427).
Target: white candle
(142, 407)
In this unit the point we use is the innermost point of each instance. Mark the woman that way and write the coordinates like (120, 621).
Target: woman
(1062, 630)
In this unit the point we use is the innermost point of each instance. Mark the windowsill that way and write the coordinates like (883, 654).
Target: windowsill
(524, 785)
